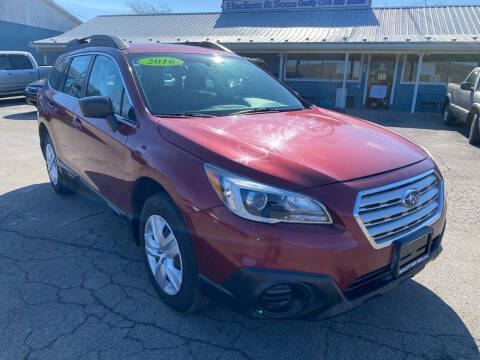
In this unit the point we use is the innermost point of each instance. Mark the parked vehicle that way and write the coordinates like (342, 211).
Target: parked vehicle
(31, 91)
(17, 70)
(462, 103)
(235, 187)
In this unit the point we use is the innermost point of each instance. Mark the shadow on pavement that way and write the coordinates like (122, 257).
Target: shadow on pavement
(73, 280)
(11, 101)
(28, 115)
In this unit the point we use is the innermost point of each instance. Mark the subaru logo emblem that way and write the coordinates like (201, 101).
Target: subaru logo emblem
(411, 198)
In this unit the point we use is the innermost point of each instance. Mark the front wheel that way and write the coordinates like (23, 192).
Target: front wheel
(474, 131)
(448, 118)
(169, 255)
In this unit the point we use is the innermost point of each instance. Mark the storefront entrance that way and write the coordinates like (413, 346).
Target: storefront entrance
(380, 81)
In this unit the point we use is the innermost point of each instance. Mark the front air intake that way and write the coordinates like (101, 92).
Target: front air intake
(283, 300)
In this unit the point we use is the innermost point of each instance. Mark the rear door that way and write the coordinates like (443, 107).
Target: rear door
(64, 106)
(7, 80)
(23, 70)
(103, 152)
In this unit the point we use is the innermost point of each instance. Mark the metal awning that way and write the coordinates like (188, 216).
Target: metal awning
(436, 28)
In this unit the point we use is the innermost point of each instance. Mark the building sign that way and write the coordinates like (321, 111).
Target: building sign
(259, 5)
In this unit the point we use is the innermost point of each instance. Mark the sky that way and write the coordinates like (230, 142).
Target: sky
(87, 9)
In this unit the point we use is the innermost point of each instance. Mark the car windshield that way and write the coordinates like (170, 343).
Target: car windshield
(207, 85)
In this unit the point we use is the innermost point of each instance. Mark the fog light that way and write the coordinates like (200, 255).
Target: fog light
(283, 300)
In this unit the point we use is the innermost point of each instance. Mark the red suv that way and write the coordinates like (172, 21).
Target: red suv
(237, 188)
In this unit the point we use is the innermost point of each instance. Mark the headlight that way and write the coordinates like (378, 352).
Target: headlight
(255, 201)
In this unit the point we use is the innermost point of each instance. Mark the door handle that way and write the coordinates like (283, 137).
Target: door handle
(77, 124)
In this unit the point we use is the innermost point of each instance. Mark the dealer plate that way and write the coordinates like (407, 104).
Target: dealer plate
(413, 252)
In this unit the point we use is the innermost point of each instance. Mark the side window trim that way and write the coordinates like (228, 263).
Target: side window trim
(61, 82)
(87, 77)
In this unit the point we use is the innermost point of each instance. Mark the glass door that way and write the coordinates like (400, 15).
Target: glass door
(380, 81)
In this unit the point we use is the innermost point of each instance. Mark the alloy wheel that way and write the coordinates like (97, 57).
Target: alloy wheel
(52, 165)
(163, 255)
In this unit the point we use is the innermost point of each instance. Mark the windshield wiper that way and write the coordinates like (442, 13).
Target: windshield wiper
(185, 115)
(259, 110)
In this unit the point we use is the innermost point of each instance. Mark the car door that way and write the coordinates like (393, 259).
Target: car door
(23, 71)
(7, 80)
(65, 110)
(102, 152)
(464, 98)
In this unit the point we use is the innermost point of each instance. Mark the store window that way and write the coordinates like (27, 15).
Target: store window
(354, 72)
(410, 68)
(439, 68)
(323, 67)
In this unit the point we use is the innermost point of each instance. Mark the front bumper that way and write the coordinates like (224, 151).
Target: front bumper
(244, 288)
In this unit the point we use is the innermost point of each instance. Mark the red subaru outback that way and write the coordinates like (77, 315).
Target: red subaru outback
(236, 187)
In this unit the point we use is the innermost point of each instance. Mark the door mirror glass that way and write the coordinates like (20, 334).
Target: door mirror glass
(466, 86)
(99, 107)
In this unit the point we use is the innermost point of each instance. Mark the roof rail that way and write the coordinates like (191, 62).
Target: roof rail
(208, 45)
(96, 41)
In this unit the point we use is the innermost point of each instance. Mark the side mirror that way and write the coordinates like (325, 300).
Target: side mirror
(466, 86)
(99, 107)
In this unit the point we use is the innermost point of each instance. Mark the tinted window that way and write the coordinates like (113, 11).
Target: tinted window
(105, 80)
(75, 75)
(56, 74)
(20, 62)
(209, 84)
(4, 63)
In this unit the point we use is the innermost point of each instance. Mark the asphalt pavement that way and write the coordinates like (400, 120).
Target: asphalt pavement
(74, 286)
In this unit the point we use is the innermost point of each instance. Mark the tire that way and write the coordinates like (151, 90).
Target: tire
(448, 118)
(60, 183)
(170, 259)
(474, 131)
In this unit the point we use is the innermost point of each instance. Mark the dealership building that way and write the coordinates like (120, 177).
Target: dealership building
(334, 53)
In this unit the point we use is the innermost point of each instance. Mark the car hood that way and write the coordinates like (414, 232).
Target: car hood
(296, 149)
(37, 83)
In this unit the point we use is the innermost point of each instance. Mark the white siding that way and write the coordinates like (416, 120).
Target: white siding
(38, 13)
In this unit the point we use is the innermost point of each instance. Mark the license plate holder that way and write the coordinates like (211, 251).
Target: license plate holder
(411, 251)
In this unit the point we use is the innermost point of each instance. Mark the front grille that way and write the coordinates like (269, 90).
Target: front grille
(384, 218)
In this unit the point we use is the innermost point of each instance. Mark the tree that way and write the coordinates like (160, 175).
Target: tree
(141, 7)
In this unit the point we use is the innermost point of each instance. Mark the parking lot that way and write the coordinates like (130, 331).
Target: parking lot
(74, 286)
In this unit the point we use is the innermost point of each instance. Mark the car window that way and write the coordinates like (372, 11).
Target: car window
(105, 80)
(472, 78)
(5, 63)
(75, 75)
(56, 74)
(213, 85)
(20, 62)
(127, 111)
